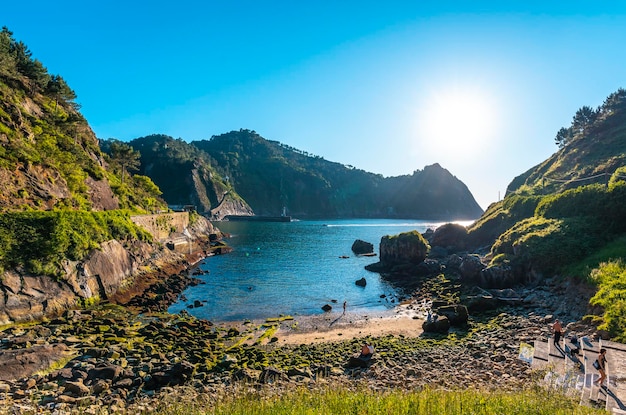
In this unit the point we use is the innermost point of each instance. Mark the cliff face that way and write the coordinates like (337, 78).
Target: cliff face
(105, 273)
(50, 155)
(186, 175)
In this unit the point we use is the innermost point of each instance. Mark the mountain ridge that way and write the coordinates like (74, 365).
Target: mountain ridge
(272, 178)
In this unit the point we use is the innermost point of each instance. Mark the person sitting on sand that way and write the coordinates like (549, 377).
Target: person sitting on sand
(367, 351)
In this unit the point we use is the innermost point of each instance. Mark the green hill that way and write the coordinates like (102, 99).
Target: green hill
(185, 175)
(49, 156)
(567, 215)
(271, 176)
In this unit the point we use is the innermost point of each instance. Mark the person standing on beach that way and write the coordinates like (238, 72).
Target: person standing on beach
(345, 304)
(557, 328)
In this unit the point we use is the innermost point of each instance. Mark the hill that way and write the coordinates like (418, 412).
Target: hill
(70, 226)
(566, 216)
(49, 156)
(185, 175)
(272, 176)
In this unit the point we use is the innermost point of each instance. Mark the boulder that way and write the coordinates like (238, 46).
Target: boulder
(361, 282)
(407, 247)
(20, 363)
(501, 276)
(360, 247)
(451, 236)
(327, 307)
(470, 268)
(440, 325)
(456, 314)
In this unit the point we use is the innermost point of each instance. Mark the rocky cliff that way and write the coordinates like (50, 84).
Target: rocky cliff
(106, 274)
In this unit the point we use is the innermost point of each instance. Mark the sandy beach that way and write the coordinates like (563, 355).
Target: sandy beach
(403, 320)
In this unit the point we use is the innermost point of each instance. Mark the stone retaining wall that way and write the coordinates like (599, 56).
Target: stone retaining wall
(161, 225)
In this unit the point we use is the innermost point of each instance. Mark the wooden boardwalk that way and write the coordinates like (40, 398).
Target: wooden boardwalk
(576, 374)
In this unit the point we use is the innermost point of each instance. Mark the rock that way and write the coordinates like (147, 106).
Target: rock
(327, 307)
(360, 247)
(456, 314)
(271, 374)
(247, 374)
(21, 363)
(361, 282)
(441, 325)
(480, 303)
(126, 383)
(110, 372)
(451, 236)
(76, 388)
(100, 386)
(407, 247)
(470, 268)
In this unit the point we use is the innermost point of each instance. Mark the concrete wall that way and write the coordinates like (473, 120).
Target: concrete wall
(161, 225)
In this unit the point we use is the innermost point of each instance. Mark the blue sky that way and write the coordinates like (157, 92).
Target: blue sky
(388, 87)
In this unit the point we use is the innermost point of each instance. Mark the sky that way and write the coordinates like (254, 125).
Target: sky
(390, 87)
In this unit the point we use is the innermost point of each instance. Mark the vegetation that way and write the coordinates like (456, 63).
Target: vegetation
(611, 296)
(343, 400)
(183, 172)
(49, 157)
(270, 176)
(125, 158)
(38, 242)
(567, 216)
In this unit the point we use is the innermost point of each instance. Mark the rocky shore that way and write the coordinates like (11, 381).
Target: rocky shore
(112, 359)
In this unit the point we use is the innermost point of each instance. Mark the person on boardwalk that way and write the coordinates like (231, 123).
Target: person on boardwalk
(600, 365)
(557, 328)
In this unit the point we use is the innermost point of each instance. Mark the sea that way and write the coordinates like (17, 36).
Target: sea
(294, 268)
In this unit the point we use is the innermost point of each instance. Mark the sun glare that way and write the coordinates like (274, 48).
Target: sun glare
(459, 120)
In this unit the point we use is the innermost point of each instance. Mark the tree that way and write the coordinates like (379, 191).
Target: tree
(583, 119)
(125, 157)
(614, 103)
(7, 62)
(563, 137)
(58, 88)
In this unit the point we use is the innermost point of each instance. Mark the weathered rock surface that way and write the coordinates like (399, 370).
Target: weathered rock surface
(360, 247)
(407, 247)
(115, 272)
(451, 236)
(24, 362)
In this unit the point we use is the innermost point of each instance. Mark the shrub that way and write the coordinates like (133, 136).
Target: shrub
(550, 244)
(39, 241)
(611, 295)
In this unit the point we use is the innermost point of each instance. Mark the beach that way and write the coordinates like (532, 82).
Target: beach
(404, 320)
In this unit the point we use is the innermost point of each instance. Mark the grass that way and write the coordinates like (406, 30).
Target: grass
(362, 401)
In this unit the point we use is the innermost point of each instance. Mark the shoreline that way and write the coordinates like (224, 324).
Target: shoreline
(348, 327)
(403, 320)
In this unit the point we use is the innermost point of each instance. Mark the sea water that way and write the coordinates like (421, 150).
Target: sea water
(293, 268)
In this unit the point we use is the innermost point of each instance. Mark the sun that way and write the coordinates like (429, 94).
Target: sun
(458, 119)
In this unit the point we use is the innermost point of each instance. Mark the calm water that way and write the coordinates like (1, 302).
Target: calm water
(293, 268)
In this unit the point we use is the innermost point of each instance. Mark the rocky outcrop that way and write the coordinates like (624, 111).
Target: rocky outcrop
(401, 255)
(407, 247)
(114, 271)
(230, 206)
(450, 236)
(23, 362)
(360, 247)
(439, 325)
